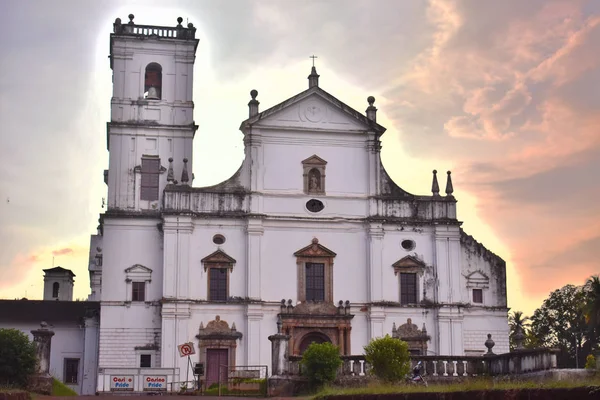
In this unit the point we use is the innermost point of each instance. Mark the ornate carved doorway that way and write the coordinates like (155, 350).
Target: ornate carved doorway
(313, 337)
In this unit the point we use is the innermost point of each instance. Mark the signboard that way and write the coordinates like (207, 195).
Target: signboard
(121, 383)
(154, 383)
(186, 349)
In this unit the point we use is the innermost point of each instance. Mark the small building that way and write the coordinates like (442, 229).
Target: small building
(74, 346)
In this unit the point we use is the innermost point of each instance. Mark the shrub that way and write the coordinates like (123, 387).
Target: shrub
(590, 362)
(320, 363)
(17, 357)
(60, 389)
(389, 358)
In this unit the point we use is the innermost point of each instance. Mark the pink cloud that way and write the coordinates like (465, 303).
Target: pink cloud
(62, 252)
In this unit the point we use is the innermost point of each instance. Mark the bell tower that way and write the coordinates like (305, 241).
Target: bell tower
(152, 106)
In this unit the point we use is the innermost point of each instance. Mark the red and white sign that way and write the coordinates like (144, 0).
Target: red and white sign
(186, 349)
(120, 383)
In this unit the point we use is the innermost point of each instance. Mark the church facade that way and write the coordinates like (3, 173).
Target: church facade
(310, 234)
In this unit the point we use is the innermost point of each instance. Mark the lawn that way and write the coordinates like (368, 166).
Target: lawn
(471, 385)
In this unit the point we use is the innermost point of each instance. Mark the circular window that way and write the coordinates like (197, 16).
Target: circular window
(408, 244)
(218, 239)
(314, 205)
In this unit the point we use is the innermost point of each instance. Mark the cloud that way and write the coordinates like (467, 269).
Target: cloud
(505, 93)
(62, 252)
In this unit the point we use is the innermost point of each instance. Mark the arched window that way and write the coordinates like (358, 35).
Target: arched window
(55, 289)
(153, 82)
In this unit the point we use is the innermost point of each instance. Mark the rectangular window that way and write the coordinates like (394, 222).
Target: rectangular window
(150, 173)
(71, 370)
(315, 282)
(477, 295)
(138, 291)
(408, 288)
(145, 361)
(218, 284)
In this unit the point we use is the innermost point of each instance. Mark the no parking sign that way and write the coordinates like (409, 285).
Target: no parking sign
(186, 349)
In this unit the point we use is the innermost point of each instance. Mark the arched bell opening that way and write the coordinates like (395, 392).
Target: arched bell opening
(153, 82)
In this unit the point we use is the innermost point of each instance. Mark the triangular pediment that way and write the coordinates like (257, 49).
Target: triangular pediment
(314, 160)
(315, 250)
(138, 268)
(314, 109)
(409, 262)
(477, 276)
(218, 257)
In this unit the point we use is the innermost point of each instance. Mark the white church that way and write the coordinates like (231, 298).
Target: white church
(310, 233)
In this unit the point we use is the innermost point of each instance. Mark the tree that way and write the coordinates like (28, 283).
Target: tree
(389, 358)
(560, 323)
(320, 363)
(592, 307)
(518, 323)
(17, 357)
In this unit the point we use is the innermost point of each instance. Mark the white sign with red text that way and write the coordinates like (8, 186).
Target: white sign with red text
(120, 383)
(186, 349)
(154, 383)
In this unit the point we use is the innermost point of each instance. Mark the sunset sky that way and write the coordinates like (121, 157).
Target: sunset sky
(506, 94)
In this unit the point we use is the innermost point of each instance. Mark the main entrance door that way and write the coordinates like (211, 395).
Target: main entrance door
(216, 360)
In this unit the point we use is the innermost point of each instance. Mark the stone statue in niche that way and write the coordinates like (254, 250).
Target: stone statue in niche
(314, 180)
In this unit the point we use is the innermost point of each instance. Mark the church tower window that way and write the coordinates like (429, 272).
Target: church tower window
(150, 174)
(153, 82)
(55, 289)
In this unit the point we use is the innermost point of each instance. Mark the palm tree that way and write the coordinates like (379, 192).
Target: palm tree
(592, 306)
(517, 323)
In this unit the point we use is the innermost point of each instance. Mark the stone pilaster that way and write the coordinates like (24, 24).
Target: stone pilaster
(279, 354)
(255, 232)
(41, 382)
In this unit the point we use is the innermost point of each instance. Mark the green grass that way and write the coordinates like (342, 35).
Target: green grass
(474, 384)
(60, 389)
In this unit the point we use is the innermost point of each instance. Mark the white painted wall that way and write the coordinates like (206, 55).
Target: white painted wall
(69, 341)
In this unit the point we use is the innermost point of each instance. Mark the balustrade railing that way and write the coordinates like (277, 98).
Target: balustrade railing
(177, 32)
(453, 366)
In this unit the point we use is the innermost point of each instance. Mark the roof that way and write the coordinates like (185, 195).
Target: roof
(47, 310)
(58, 270)
(327, 97)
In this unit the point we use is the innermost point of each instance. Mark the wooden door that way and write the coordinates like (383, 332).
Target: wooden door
(216, 360)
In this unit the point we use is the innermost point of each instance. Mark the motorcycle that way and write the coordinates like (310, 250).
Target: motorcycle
(417, 378)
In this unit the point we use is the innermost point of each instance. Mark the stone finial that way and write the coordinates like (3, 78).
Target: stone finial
(371, 110)
(170, 173)
(233, 328)
(435, 188)
(519, 337)
(449, 187)
(313, 78)
(279, 324)
(201, 325)
(185, 178)
(394, 329)
(489, 343)
(424, 330)
(179, 21)
(253, 104)
(131, 17)
(315, 241)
